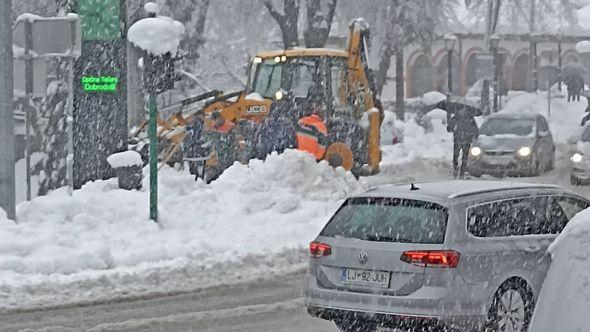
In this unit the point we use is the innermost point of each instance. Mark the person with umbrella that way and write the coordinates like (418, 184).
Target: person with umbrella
(460, 122)
(573, 79)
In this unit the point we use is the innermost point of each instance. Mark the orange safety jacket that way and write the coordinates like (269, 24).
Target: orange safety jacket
(312, 136)
(224, 128)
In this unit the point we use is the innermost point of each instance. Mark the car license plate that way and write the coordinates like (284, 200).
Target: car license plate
(499, 161)
(366, 277)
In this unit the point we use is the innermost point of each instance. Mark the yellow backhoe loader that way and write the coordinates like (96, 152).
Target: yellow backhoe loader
(283, 80)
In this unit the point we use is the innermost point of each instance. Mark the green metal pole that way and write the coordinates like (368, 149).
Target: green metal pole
(153, 127)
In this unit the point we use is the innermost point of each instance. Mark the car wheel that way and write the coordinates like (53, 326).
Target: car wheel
(512, 307)
(475, 174)
(356, 326)
(575, 181)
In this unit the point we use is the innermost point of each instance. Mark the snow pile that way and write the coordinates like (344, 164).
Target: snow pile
(584, 46)
(125, 159)
(151, 8)
(157, 35)
(418, 144)
(565, 298)
(28, 17)
(390, 132)
(254, 96)
(265, 208)
(433, 97)
(584, 21)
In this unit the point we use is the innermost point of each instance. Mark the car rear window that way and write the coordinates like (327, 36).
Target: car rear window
(389, 220)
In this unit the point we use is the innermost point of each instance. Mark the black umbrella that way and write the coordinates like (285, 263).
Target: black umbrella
(574, 69)
(456, 104)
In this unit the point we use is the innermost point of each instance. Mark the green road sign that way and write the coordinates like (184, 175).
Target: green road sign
(99, 83)
(100, 19)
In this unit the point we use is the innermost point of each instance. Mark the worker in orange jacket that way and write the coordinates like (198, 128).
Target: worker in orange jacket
(311, 132)
(220, 124)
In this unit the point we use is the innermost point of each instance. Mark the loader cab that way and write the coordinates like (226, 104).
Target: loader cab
(301, 72)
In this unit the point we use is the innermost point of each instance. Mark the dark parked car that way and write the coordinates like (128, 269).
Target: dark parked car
(513, 144)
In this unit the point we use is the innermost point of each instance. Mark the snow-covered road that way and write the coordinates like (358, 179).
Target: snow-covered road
(266, 303)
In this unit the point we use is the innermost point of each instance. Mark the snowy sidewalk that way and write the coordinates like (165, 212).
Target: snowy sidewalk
(102, 233)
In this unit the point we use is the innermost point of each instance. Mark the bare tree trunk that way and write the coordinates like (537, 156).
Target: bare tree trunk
(319, 22)
(198, 34)
(399, 85)
(7, 195)
(183, 11)
(532, 16)
(532, 53)
(387, 51)
(135, 98)
(287, 22)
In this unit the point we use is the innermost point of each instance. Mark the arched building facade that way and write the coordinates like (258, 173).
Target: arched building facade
(427, 70)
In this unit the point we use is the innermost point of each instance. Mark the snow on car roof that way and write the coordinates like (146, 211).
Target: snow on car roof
(453, 188)
(515, 115)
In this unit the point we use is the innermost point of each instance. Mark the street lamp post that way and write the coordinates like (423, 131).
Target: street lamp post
(535, 38)
(559, 62)
(494, 44)
(450, 46)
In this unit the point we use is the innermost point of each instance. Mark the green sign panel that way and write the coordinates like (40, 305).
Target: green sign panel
(100, 19)
(99, 83)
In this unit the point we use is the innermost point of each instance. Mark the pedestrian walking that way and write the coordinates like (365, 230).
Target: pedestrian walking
(464, 128)
(575, 85)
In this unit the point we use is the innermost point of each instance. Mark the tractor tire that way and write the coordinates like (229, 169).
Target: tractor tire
(211, 173)
(354, 137)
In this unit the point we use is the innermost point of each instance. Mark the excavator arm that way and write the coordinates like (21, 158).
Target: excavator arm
(361, 87)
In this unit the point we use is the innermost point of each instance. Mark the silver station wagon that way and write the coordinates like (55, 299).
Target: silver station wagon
(458, 255)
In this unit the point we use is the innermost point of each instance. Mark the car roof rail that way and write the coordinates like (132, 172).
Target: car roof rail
(491, 190)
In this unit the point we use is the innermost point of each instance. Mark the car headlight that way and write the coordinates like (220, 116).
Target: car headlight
(525, 151)
(475, 151)
(576, 158)
(279, 95)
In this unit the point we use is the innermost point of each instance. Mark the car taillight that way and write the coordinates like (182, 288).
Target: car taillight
(432, 258)
(318, 249)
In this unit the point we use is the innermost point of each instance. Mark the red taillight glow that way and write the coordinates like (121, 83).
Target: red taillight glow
(318, 249)
(432, 258)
